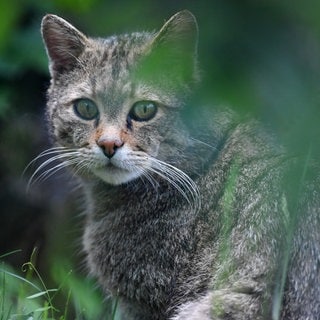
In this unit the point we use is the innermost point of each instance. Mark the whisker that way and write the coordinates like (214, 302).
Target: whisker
(176, 177)
(45, 153)
(179, 180)
(180, 174)
(154, 183)
(139, 162)
(66, 155)
(172, 182)
(204, 143)
(52, 159)
(50, 172)
(82, 166)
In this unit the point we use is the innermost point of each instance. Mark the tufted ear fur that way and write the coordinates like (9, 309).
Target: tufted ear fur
(172, 53)
(64, 43)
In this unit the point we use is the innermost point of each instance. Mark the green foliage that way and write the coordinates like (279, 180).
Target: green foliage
(22, 297)
(9, 13)
(85, 300)
(257, 56)
(25, 295)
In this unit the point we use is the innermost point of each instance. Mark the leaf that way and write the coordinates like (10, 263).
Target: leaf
(9, 253)
(20, 278)
(42, 293)
(43, 309)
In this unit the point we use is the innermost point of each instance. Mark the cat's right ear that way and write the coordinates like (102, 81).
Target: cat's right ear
(64, 43)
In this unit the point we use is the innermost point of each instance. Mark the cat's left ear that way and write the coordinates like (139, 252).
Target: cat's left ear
(179, 33)
(64, 43)
(174, 47)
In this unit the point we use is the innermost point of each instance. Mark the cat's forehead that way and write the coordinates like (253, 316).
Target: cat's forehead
(127, 42)
(106, 68)
(107, 62)
(115, 55)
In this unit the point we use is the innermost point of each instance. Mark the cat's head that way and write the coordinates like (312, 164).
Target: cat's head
(113, 103)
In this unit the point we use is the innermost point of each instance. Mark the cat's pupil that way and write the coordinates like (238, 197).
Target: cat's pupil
(86, 109)
(143, 110)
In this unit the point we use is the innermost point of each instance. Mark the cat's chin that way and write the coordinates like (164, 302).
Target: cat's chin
(115, 176)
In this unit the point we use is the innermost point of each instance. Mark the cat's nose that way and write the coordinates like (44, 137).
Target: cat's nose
(109, 146)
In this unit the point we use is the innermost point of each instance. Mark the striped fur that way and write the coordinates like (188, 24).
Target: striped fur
(186, 215)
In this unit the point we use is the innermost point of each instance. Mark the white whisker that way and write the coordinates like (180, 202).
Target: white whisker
(145, 166)
(176, 177)
(50, 172)
(203, 143)
(48, 152)
(179, 180)
(82, 166)
(154, 183)
(68, 157)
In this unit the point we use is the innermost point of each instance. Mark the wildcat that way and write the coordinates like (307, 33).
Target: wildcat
(186, 211)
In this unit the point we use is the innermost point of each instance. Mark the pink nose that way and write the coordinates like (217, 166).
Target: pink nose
(109, 146)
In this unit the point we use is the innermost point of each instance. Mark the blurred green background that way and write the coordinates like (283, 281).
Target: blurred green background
(258, 56)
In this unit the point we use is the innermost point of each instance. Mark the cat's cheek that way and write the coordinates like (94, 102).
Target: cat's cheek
(64, 137)
(72, 134)
(146, 141)
(153, 149)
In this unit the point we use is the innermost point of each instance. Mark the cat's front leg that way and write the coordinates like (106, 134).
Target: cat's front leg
(236, 303)
(194, 310)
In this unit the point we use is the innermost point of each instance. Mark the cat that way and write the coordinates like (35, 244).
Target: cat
(187, 215)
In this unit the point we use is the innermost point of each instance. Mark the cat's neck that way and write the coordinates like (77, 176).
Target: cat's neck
(135, 195)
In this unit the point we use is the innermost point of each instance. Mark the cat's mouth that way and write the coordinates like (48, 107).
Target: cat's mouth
(112, 168)
(114, 174)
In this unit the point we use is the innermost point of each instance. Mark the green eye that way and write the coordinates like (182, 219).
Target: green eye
(143, 110)
(86, 109)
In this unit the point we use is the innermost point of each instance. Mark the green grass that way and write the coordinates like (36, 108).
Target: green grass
(25, 295)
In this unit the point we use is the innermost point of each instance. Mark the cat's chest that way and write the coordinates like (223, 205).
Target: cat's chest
(128, 216)
(137, 245)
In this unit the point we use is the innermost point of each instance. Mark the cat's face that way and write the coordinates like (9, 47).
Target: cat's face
(114, 103)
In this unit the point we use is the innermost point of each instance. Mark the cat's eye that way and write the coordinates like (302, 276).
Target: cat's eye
(86, 109)
(143, 110)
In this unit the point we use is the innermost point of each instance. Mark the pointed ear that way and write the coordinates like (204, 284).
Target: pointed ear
(64, 43)
(172, 54)
(179, 34)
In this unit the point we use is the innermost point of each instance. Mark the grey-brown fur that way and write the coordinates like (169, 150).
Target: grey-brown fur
(167, 247)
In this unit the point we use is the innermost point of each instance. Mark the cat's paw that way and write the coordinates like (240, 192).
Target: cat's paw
(199, 309)
(222, 304)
